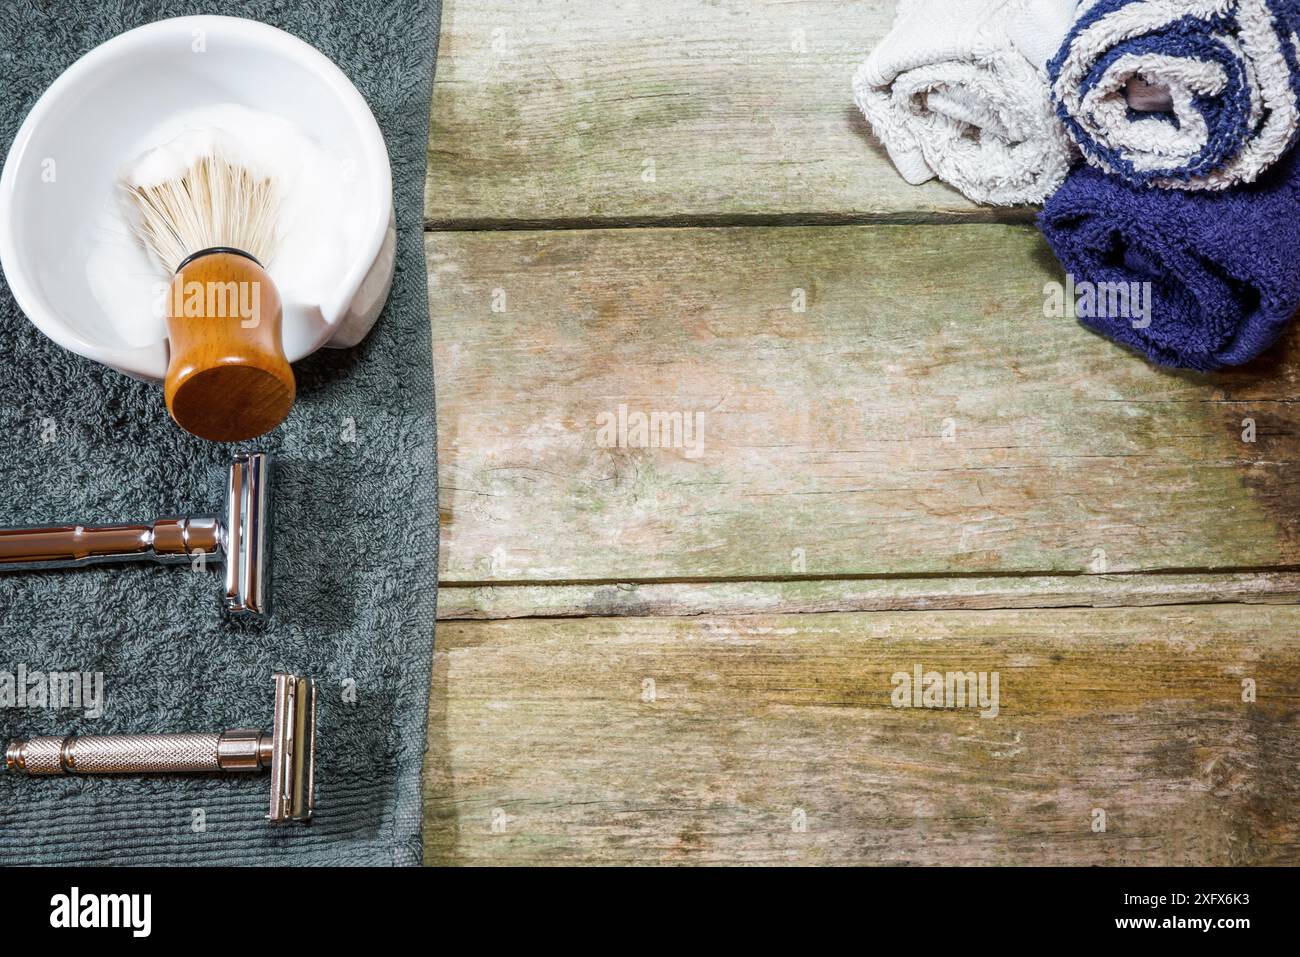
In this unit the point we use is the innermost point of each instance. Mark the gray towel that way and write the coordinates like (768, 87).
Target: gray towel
(355, 568)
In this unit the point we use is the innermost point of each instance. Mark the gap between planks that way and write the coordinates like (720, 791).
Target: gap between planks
(459, 601)
(1018, 216)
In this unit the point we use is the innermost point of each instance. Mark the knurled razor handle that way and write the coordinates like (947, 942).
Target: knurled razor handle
(140, 753)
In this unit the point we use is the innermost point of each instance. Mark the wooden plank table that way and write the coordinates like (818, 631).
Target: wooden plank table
(872, 452)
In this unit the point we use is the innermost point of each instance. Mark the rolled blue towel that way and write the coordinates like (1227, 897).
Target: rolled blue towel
(1183, 94)
(1203, 280)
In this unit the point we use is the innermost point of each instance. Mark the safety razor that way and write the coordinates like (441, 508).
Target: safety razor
(289, 750)
(242, 540)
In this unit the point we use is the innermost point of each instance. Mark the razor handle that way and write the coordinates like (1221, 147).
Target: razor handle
(67, 546)
(241, 750)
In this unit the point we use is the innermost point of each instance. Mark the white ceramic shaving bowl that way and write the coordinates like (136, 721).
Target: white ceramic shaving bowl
(66, 158)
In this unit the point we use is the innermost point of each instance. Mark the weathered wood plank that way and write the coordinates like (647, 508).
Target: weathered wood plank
(714, 740)
(921, 416)
(482, 602)
(613, 111)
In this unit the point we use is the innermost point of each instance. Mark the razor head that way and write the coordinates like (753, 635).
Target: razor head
(248, 536)
(293, 750)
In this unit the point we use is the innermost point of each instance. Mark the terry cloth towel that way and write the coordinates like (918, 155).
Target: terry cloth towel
(958, 89)
(355, 555)
(1228, 102)
(1223, 267)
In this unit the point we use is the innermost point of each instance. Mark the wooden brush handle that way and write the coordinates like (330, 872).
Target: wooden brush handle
(228, 378)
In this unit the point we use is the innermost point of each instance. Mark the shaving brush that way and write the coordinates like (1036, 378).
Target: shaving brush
(212, 228)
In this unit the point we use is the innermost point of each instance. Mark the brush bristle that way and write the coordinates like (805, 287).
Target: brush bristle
(214, 203)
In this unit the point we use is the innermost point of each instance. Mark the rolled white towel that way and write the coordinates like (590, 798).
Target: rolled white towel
(958, 89)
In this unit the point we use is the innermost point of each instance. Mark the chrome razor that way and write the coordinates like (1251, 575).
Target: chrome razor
(288, 750)
(242, 540)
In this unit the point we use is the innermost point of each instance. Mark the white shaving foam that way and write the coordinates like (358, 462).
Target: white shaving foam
(316, 231)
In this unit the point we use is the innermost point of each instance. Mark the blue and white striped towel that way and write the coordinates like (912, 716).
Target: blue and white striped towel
(1181, 94)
